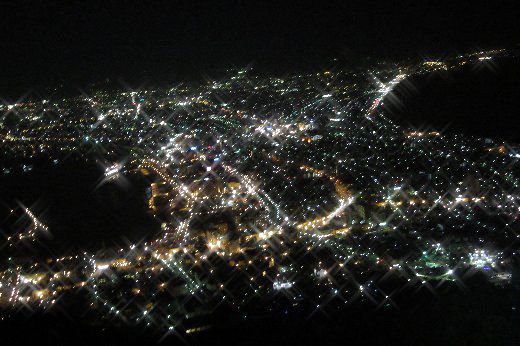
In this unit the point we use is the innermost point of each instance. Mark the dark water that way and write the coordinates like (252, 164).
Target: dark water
(481, 99)
(80, 212)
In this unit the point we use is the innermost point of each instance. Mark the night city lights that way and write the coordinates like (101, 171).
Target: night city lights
(260, 203)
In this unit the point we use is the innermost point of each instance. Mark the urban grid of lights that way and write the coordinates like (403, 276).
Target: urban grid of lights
(298, 187)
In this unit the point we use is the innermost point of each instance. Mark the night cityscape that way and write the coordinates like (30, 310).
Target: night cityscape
(329, 190)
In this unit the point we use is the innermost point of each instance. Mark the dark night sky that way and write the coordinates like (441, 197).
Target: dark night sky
(45, 42)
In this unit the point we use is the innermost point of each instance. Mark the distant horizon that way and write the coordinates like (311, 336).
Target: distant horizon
(84, 42)
(73, 87)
